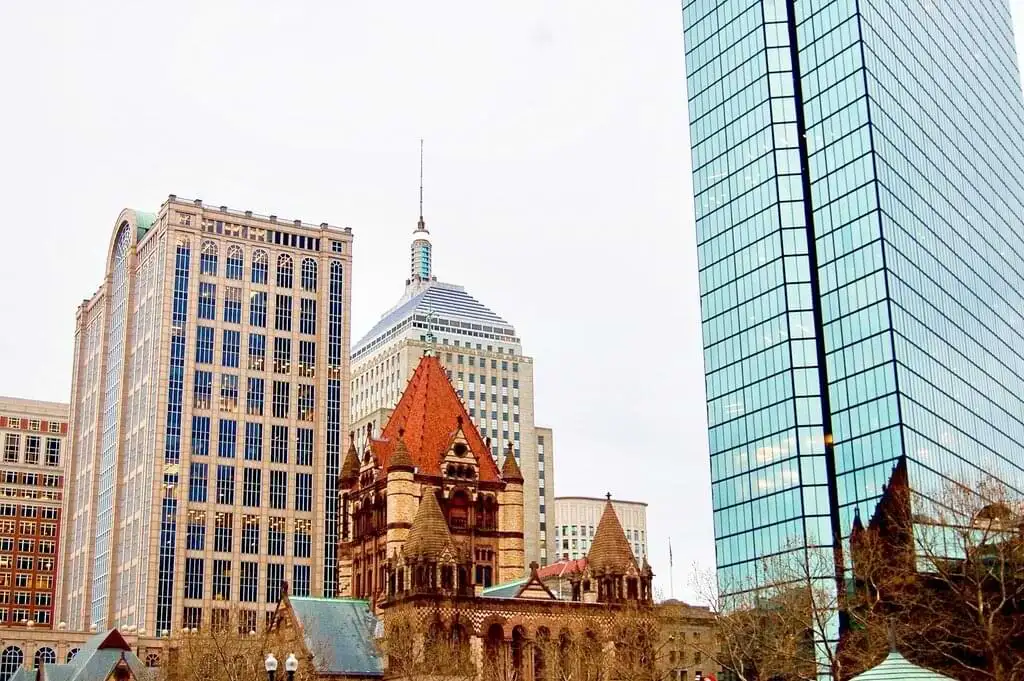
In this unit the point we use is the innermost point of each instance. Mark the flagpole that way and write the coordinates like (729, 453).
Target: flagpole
(671, 577)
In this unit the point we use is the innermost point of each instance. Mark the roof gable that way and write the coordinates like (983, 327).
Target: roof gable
(427, 418)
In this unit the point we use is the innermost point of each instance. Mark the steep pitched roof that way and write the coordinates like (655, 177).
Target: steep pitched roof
(350, 467)
(510, 471)
(428, 414)
(97, 659)
(339, 634)
(400, 458)
(610, 549)
(429, 535)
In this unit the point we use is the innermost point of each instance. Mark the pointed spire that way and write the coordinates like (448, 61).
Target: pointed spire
(510, 469)
(421, 255)
(350, 467)
(400, 459)
(609, 550)
(429, 536)
(858, 524)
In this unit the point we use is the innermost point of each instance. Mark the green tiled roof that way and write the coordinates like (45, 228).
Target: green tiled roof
(339, 633)
(895, 667)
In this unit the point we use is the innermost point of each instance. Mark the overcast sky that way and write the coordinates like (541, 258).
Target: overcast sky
(557, 189)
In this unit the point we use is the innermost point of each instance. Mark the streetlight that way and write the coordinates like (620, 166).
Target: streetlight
(270, 664)
(291, 665)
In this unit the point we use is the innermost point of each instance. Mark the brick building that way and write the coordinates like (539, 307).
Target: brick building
(33, 437)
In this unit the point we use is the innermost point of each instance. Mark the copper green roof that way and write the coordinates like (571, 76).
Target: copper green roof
(143, 223)
(895, 667)
(339, 633)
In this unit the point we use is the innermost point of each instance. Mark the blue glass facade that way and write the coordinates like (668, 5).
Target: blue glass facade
(857, 171)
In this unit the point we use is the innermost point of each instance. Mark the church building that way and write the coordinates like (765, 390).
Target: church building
(431, 549)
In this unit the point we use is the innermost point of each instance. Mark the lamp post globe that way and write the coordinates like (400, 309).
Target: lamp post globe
(291, 665)
(270, 664)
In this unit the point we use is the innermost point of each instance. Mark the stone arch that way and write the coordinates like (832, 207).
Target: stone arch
(489, 622)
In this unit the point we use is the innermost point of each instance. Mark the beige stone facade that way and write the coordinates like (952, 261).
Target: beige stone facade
(208, 412)
(33, 436)
(576, 518)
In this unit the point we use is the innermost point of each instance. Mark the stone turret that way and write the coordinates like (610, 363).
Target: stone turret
(611, 567)
(401, 495)
(511, 549)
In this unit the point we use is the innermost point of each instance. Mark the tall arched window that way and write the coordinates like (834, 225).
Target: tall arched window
(208, 258)
(259, 267)
(71, 655)
(285, 270)
(309, 275)
(44, 656)
(10, 661)
(234, 263)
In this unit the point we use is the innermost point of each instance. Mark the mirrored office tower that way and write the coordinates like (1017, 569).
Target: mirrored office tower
(858, 190)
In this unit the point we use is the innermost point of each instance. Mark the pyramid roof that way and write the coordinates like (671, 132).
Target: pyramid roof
(610, 549)
(427, 418)
(429, 536)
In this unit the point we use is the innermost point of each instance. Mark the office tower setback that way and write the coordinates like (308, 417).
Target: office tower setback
(208, 419)
(577, 517)
(858, 170)
(485, 361)
(32, 472)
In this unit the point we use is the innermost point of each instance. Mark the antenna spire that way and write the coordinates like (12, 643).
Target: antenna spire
(421, 184)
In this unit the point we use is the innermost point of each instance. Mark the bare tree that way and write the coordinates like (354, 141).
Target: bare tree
(413, 649)
(950, 578)
(228, 649)
(784, 623)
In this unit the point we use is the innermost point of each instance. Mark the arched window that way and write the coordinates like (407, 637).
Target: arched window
(71, 655)
(10, 661)
(44, 656)
(152, 660)
(540, 654)
(285, 270)
(518, 652)
(259, 267)
(458, 511)
(309, 275)
(234, 263)
(208, 258)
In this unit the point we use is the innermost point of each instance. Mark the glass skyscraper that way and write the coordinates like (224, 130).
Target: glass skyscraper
(858, 180)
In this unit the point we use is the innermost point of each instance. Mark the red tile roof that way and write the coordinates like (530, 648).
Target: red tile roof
(429, 415)
(562, 568)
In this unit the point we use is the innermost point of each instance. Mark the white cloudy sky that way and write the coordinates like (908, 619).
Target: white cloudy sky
(558, 188)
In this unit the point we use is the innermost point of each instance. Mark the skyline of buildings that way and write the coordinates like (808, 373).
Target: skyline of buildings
(858, 175)
(485, 361)
(208, 419)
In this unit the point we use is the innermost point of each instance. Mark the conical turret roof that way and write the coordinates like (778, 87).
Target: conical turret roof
(429, 536)
(350, 467)
(400, 459)
(510, 471)
(610, 549)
